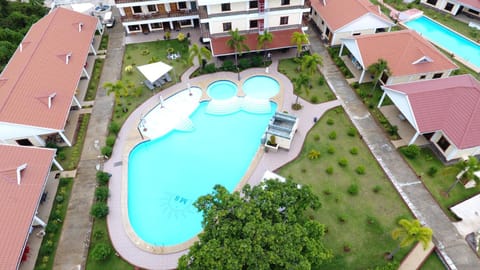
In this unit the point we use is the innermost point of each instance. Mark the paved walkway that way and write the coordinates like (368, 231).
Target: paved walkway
(451, 245)
(416, 257)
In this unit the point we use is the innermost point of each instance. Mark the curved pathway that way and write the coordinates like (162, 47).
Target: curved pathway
(451, 245)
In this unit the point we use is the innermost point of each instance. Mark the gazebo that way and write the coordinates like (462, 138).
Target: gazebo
(156, 74)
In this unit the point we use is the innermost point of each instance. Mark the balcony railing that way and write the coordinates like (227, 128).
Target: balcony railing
(255, 31)
(150, 16)
(205, 15)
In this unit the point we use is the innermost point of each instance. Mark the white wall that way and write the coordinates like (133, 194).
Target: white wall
(416, 77)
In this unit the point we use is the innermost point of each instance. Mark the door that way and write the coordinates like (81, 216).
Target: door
(173, 7)
(161, 9)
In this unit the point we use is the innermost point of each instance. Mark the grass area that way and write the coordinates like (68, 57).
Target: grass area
(360, 207)
(103, 42)
(70, 156)
(320, 92)
(94, 79)
(46, 254)
(334, 51)
(432, 263)
(440, 181)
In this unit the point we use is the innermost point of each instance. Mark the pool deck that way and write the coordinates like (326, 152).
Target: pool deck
(131, 247)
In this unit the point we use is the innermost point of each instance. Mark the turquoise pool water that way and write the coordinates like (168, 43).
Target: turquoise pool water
(166, 175)
(222, 90)
(260, 87)
(447, 39)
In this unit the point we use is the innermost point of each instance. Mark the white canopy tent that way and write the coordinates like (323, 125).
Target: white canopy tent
(154, 71)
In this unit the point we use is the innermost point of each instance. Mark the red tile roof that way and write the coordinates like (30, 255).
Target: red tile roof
(19, 203)
(450, 104)
(281, 39)
(401, 49)
(38, 69)
(338, 13)
(471, 3)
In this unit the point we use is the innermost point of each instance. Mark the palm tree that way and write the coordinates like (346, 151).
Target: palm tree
(300, 83)
(262, 41)
(378, 69)
(467, 171)
(299, 39)
(200, 53)
(309, 63)
(409, 232)
(120, 91)
(237, 43)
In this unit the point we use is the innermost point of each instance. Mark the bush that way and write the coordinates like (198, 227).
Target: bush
(411, 151)
(110, 140)
(351, 132)
(313, 154)
(52, 227)
(228, 65)
(331, 149)
(99, 210)
(101, 251)
(210, 68)
(98, 234)
(332, 135)
(316, 137)
(59, 199)
(329, 170)
(101, 193)
(354, 151)
(377, 189)
(355, 85)
(103, 177)
(432, 171)
(327, 191)
(353, 189)
(107, 150)
(244, 63)
(257, 61)
(330, 121)
(321, 81)
(342, 218)
(314, 99)
(360, 170)
(114, 128)
(343, 162)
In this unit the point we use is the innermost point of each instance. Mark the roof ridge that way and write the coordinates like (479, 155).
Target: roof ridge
(471, 118)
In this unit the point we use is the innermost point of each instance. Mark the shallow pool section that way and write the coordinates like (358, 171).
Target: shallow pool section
(447, 39)
(261, 87)
(222, 90)
(166, 175)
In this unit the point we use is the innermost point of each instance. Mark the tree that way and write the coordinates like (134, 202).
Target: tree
(200, 53)
(377, 70)
(310, 63)
(120, 90)
(237, 43)
(409, 232)
(262, 41)
(467, 170)
(263, 228)
(299, 39)
(299, 84)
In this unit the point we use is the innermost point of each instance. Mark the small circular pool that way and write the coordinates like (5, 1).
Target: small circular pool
(222, 90)
(261, 87)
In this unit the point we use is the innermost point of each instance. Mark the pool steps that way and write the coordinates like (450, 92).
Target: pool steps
(234, 104)
(185, 124)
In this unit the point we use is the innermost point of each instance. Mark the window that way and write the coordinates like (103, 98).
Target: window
(226, 7)
(182, 5)
(152, 8)
(254, 24)
(473, 11)
(227, 26)
(285, 2)
(449, 7)
(137, 9)
(24, 142)
(133, 28)
(284, 20)
(253, 4)
(429, 135)
(432, 2)
(379, 30)
(156, 25)
(423, 77)
(443, 143)
(437, 75)
(356, 34)
(185, 22)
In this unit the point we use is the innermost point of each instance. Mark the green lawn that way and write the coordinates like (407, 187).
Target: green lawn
(369, 216)
(95, 78)
(318, 93)
(439, 183)
(69, 157)
(433, 263)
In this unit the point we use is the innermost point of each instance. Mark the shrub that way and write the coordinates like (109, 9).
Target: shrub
(210, 68)
(101, 193)
(257, 61)
(314, 99)
(52, 227)
(377, 189)
(321, 81)
(360, 170)
(327, 191)
(432, 171)
(316, 137)
(393, 130)
(354, 151)
(98, 234)
(353, 189)
(355, 85)
(228, 65)
(313, 154)
(103, 177)
(332, 135)
(107, 150)
(59, 199)
(330, 121)
(342, 218)
(244, 63)
(181, 36)
(329, 170)
(343, 162)
(101, 251)
(351, 132)
(114, 128)
(99, 210)
(331, 149)
(110, 140)
(411, 151)
(129, 69)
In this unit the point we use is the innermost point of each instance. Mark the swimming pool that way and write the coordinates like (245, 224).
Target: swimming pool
(166, 175)
(222, 90)
(260, 87)
(447, 39)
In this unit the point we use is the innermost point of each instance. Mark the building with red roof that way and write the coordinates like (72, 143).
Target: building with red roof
(38, 85)
(455, 7)
(446, 111)
(23, 175)
(345, 18)
(410, 57)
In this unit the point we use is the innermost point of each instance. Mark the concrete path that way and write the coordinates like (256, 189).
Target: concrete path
(73, 246)
(451, 245)
(416, 257)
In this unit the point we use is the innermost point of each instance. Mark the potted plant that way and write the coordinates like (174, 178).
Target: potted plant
(271, 143)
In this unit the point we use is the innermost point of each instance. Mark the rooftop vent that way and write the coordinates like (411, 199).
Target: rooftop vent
(19, 172)
(80, 26)
(423, 59)
(67, 57)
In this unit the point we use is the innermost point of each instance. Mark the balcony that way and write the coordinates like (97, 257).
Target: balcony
(153, 16)
(205, 15)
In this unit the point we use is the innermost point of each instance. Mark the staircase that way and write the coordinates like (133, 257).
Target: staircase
(224, 106)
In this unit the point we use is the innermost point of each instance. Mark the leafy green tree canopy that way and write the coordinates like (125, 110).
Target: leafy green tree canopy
(264, 227)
